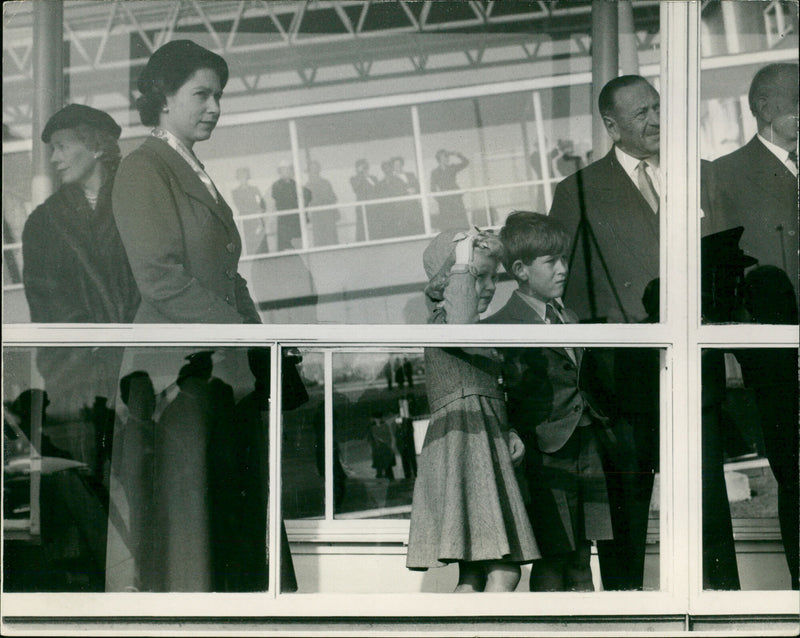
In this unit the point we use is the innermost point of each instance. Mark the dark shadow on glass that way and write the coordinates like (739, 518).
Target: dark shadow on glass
(750, 461)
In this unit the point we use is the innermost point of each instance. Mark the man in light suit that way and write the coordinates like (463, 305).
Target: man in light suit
(756, 187)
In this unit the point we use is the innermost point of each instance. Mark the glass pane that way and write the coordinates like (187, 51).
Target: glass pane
(358, 191)
(581, 511)
(500, 163)
(303, 436)
(151, 472)
(379, 405)
(748, 137)
(750, 469)
(252, 167)
(16, 208)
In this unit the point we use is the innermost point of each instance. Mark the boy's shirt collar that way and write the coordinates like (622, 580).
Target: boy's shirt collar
(541, 306)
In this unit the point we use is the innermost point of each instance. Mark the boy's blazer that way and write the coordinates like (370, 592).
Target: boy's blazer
(545, 389)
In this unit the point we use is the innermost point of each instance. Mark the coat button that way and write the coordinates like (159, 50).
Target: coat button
(567, 367)
(228, 298)
(577, 408)
(627, 284)
(230, 273)
(231, 248)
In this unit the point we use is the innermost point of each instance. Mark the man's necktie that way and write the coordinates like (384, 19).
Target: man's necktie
(793, 157)
(646, 185)
(551, 315)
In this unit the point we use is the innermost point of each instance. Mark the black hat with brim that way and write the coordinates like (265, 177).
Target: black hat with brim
(74, 115)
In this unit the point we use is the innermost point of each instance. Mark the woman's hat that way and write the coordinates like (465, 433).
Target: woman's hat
(176, 56)
(73, 115)
(439, 250)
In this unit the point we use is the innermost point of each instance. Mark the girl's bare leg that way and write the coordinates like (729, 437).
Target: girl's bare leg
(501, 576)
(471, 577)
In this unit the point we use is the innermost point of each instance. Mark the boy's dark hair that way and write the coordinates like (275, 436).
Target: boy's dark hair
(527, 235)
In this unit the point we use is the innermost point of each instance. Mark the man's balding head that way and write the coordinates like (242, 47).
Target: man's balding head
(773, 99)
(630, 108)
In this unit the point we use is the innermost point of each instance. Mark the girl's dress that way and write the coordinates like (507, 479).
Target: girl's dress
(467, 505)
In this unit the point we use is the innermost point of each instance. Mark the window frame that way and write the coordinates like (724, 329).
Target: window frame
(680, 334)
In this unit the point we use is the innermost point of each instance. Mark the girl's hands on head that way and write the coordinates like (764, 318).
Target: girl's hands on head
(464, 245)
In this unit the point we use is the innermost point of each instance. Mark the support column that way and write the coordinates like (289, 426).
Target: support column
(628, 53)
(48, 87)
(605, 65)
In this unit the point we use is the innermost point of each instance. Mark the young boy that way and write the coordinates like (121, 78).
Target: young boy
(550, 408)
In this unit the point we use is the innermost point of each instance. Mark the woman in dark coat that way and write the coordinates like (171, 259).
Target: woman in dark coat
(76, 270)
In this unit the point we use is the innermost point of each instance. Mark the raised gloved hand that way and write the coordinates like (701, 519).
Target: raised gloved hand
(465, 242)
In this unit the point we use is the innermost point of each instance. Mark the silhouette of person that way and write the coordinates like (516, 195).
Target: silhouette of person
(134, 467)
(323, 222)
(452, 213)
(381, 440)
(284, 192)
(365, 186)
(249, 201)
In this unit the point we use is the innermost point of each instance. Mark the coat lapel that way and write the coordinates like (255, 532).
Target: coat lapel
(190, 182)
(765, 171)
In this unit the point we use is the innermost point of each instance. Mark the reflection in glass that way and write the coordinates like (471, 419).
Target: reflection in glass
(244, 162)
(750, 462)
(378, 398)
(153, 480)
(379, 145)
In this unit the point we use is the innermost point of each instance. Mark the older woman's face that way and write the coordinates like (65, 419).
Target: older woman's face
(193, 111)
(74, 162)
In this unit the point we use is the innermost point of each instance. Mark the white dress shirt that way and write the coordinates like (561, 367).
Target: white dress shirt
(630, 165)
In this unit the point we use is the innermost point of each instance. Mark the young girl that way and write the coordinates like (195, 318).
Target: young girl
(467, 505)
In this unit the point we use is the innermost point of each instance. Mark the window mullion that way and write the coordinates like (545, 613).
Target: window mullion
(329, 478)
(678, 198)
(275, 452)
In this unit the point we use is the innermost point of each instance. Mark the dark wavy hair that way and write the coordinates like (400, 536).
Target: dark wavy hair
(168, 69)
(527, 235)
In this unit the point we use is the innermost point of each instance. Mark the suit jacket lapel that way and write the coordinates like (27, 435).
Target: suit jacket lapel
(766, 169)
(623, 181)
